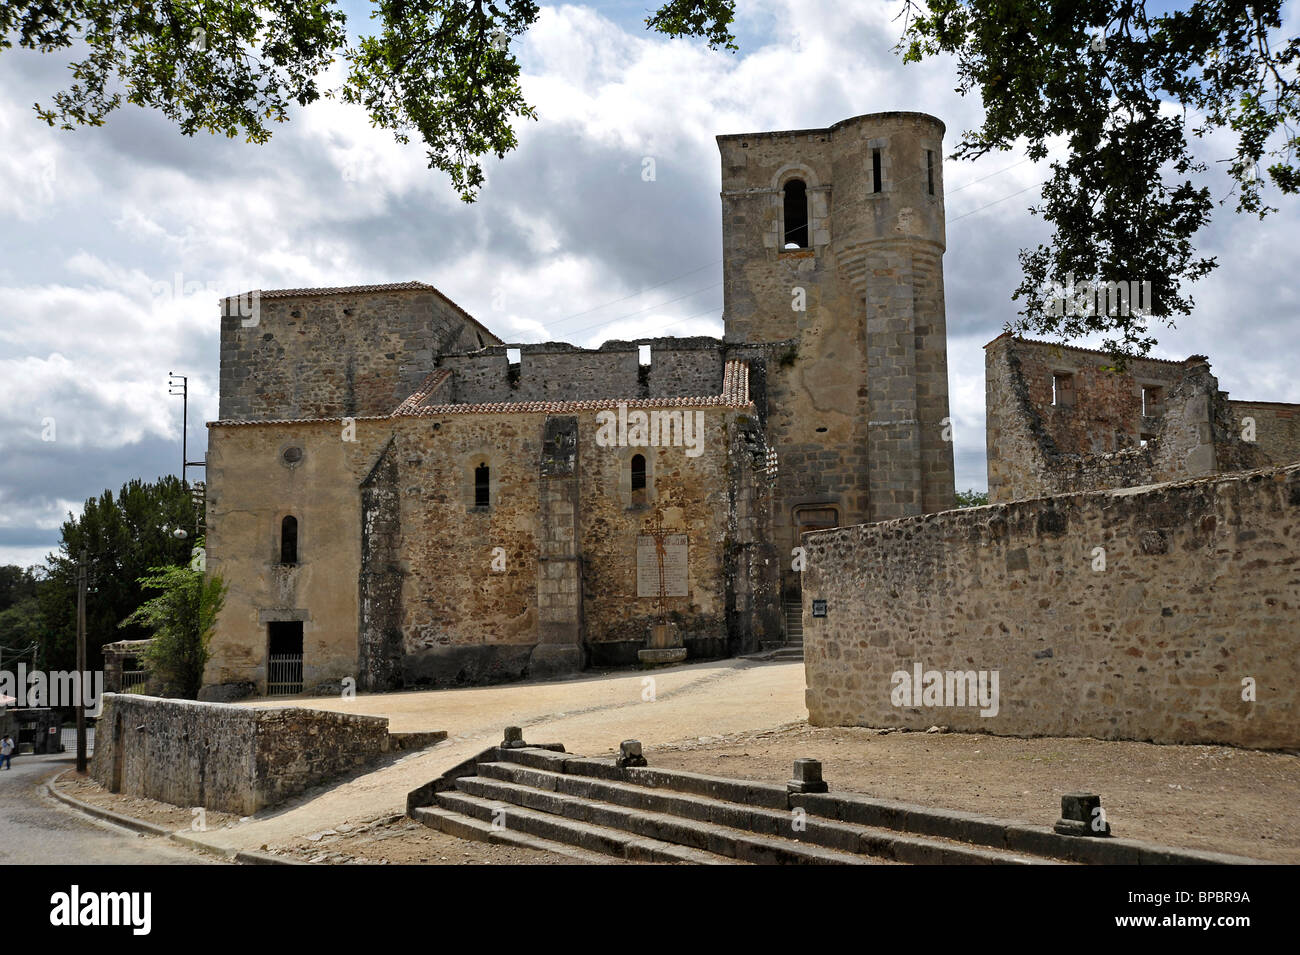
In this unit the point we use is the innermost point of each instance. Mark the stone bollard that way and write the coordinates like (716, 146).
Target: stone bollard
(1082, 815)
(807, 777)
(514, 738)
(629, 754)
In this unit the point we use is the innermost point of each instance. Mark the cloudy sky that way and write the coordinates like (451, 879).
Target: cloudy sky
(118, 241)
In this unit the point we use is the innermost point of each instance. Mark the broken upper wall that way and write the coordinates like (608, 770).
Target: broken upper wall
(331, 352)
(1062, 420)
(557, 371)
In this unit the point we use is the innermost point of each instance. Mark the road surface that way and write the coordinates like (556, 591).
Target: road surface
(36, 829)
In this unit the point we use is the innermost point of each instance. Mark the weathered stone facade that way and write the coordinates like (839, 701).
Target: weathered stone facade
(1130, 614)
(223, 757)
(456, 511)
(1062, 419)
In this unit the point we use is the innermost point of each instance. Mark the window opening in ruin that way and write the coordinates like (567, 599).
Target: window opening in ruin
(289, 540)
(283, 657)
(482, 486)
(1151, 401)
(796, 215)
(1063, 390)
(875, 170)
(929, 169)
(644, 352)
(480, 339)
(638, 479)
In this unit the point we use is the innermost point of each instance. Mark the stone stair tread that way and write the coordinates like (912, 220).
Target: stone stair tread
(916, 846)
(717, 836)
(629, 846)
(467, 827)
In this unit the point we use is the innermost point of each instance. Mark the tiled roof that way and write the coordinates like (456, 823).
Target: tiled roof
(735, 394)
(427, 387)
(348, 290)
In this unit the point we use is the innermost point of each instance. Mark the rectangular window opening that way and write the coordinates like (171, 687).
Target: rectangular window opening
(875, 170)
(1063, 390)
(644, 352)
(929, 169)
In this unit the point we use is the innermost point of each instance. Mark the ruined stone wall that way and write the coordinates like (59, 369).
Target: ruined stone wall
(467, 621)
(1277, 427)
(462, 620)
(858, 391)
(251, 489)
(222, 757)
(691, 493)
(556, 371)
(326, 355)
(1100, 439)
(1200, 590)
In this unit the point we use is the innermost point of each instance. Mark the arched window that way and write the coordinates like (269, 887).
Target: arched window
(796, 215)
(638, 479)
(482, 486)
(289, 540)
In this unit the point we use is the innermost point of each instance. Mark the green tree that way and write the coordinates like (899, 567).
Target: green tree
(181, 618)
(21, 625)
(123, 536)
(1122, 88)
(439, 69)
(972, 498)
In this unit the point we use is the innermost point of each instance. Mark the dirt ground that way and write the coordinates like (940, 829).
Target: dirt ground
(1201, 797)
(398, 840)
(146, 810)
(393, 840)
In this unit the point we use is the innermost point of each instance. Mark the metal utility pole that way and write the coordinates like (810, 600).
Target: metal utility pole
(175, 381)
(81, 662)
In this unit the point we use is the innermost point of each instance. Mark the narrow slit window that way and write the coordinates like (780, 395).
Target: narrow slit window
(482, 486)
(289, 540)
(796, 215)
(929, 170)
(638, 479)
(875, 170)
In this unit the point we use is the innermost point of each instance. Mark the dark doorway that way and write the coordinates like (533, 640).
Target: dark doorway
(284, 657)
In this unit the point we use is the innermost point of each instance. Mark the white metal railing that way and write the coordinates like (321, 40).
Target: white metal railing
(284, 674)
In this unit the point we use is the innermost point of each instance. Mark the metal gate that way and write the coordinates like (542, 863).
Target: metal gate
(284, 674)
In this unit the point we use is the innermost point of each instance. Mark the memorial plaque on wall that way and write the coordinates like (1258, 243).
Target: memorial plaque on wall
(647, 566)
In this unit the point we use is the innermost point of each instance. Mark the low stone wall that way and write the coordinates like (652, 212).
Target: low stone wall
(223, 757)
(1128, 614)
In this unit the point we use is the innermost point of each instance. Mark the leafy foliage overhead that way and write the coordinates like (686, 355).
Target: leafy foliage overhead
(441, 70)
(1121, 88)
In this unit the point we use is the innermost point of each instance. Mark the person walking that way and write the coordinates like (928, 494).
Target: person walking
(7, 750)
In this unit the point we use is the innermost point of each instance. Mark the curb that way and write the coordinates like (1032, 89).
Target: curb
(117, 818)
(242, 856)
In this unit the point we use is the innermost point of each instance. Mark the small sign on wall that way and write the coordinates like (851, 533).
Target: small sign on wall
(819, 608)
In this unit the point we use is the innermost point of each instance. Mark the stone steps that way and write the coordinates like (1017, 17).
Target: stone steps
(665, 816)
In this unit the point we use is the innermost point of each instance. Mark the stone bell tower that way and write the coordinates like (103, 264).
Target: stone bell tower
(833, 243)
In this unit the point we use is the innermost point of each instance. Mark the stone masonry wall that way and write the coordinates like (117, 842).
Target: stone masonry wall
(328, 355)
(1200, 590)
(1101, 439)
(223, 757)
(1277, 427)
(556, 371)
